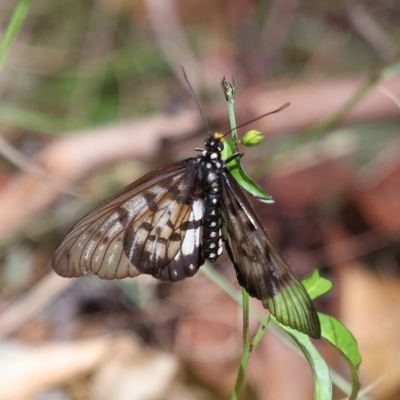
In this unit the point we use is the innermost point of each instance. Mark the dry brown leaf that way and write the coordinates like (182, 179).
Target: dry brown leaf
(121, 368)
(371, 312)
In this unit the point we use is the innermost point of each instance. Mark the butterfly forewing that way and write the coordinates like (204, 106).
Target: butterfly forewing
(259, 266)
(152, 226)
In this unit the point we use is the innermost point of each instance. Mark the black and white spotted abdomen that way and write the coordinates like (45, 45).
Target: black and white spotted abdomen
(210, 176)
(212, 237)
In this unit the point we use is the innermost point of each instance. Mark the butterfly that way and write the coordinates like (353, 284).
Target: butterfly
(170, 221)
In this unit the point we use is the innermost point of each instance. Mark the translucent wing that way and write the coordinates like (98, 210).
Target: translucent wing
(153, 226)
(260, 268)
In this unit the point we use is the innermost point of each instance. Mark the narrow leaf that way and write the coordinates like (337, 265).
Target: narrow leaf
(241, 177)
(319, 368)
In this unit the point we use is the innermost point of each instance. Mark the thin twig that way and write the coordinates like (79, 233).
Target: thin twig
(18, 159)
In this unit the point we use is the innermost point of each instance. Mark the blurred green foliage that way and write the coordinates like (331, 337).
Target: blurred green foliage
(84, 63)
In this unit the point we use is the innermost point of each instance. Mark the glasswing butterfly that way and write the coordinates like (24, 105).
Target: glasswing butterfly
(170, 221)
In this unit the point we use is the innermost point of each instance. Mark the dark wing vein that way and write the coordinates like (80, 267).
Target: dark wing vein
(260, 267)
(150, 226)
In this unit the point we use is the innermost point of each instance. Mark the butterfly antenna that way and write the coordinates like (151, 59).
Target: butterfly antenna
(196, 99)
(261, 116)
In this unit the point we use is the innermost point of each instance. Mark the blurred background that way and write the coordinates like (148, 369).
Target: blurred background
(92, 99)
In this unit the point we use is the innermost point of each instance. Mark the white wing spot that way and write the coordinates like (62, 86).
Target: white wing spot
(191, 242)
(111, 258)
(197, 211)
(192, 237)
(135, 205)
(89, 249)
(99, 251)
(155, 190)
(110, 220)
(81, 241)
(116, 227)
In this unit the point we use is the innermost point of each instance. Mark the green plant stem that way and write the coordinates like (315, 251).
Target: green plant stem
(229, 91)
(260, 332)
(17, 19)
(339, 381)
(246, 347)
(232, 120)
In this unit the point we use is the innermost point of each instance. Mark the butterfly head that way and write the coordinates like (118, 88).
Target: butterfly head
(215, 143)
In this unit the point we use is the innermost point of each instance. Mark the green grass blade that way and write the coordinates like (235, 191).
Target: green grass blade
(13, 28)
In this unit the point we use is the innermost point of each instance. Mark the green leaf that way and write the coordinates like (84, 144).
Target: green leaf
(319, 368)
(316, 285)
(336, 334)
(241, 177)
(344, 342)
(228, 150)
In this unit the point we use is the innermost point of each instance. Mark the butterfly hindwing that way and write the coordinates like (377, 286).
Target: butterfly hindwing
(189, 258)
(260, 268)
(153, 226)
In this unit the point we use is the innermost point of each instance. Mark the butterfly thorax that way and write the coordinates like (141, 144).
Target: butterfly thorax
(209, 175)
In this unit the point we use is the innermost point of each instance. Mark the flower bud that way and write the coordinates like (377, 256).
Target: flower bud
(228, 89)
(252, 138)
